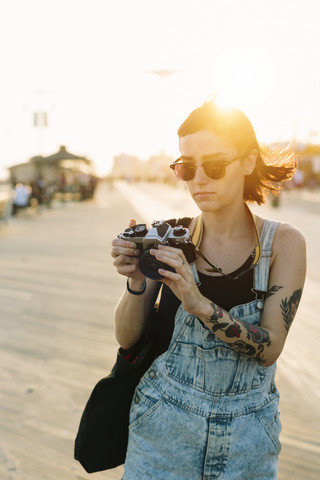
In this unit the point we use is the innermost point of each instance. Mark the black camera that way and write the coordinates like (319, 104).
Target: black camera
(160, 233)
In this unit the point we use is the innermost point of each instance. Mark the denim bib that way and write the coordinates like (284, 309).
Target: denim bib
(203, 411)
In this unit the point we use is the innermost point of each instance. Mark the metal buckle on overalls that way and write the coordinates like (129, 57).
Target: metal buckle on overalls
(259, 298)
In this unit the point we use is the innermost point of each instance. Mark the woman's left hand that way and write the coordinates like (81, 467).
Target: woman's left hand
(181, 282)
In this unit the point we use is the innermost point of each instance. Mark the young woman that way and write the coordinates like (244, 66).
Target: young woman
(208, 406)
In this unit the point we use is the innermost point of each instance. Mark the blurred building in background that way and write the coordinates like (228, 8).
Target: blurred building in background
(155, 169)
(50, 168)
(126, 167)
(63, 173)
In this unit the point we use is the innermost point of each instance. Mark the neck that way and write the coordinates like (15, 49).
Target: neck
(230, 221)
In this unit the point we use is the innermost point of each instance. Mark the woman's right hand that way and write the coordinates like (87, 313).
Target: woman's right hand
(126, 255)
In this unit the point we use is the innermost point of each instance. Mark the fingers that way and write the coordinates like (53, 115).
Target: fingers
(175, 277)
(130, 271)
(174, 250)
(124, 247)
(125, 268)
(126, 251)
(127, 265)
(171, 256)
(176, 259)
(125, 254)
(125, 260)
(123, 243)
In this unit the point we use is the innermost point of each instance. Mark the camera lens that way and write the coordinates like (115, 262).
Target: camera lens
(149, 265)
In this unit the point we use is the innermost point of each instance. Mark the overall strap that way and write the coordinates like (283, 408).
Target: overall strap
(261, 272)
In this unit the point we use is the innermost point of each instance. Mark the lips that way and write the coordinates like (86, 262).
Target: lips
(203, 193)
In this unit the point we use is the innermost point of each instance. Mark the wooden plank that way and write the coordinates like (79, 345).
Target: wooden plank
(58, 289)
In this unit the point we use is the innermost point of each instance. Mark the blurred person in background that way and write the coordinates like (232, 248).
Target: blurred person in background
(208, 405)
(21, 197)
(298, 179)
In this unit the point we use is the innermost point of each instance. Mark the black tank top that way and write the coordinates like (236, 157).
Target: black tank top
(223, 291)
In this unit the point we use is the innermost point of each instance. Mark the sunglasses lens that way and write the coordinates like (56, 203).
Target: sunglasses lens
(214, 170)
(184, 172)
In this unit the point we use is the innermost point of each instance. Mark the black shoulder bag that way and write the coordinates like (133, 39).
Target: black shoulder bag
(102, 438)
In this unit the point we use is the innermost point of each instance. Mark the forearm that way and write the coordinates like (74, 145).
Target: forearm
(250, 340)
(130, 315)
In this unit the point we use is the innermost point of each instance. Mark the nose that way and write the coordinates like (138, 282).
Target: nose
(200, 177)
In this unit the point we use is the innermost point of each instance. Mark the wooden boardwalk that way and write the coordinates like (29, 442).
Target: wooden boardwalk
(58, 290)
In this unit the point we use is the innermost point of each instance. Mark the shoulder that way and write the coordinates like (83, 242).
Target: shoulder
(285, 234)
(289, 236)
(289, 248)
(288, 241)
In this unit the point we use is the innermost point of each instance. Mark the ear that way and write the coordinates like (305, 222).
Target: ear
(249, 162)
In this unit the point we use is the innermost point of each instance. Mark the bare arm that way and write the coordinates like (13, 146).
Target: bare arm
(132, 310)
(265, 341)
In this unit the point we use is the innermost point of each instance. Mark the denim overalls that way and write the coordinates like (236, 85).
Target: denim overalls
(202, 411)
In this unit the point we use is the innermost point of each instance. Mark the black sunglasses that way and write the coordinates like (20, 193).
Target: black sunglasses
(214, 169)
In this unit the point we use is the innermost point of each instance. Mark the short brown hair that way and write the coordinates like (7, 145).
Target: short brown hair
(272, 168)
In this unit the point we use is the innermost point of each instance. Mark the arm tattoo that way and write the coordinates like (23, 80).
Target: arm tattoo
(257, 334)
(254, 334)
(289, 307)
(272, 291)
(214, 319)
(233, 330)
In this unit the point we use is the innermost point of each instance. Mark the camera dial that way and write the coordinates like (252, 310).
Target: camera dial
(179, 231)
(141, 230)
(128, 233)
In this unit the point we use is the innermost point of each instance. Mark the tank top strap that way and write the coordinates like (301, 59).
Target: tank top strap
(261, 271)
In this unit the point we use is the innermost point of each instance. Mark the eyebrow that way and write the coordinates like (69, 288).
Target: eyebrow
(204, 157)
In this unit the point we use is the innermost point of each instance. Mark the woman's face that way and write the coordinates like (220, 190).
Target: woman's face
(212, 194)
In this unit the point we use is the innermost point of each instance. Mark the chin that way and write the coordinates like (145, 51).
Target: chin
(206, 205)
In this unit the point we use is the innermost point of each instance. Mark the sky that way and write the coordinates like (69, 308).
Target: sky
(89, 64)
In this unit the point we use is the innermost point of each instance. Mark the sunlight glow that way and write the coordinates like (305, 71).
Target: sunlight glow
(127, 84)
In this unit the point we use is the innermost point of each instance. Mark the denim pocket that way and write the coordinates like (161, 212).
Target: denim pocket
(269, 417)
(145, 402)
(210, 370)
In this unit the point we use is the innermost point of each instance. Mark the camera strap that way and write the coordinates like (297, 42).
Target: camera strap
(197, 232)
